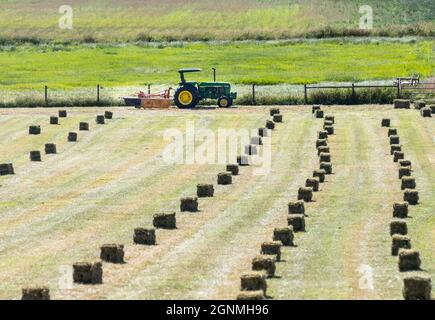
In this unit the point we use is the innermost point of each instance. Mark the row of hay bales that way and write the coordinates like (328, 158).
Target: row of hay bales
(425, 109)
(51, 148)
(83, 272)
(92, 272)
(253, 284)
(414, 287)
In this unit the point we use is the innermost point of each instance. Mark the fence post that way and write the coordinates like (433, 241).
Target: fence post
(214, 74)
(46, 95)
(305, 94)
(98, 93)
(253, 95)
(398, 89)
(149, 88)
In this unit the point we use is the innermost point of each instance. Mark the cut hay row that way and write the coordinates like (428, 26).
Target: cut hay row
(414, 287)
(253, 284)
(83, 272)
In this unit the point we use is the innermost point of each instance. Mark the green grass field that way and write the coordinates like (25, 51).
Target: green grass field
(239, 63)
(96, 191)
(154, 20)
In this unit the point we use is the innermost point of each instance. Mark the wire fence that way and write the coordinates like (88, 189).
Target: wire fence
(353, 93)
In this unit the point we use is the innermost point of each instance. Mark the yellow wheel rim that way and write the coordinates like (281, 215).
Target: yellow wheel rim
(185, 97)
(224, 102)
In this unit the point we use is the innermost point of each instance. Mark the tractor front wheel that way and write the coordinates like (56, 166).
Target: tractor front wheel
(225, 102)
(186, 97)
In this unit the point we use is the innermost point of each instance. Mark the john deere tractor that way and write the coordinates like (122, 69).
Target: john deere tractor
(190, 93)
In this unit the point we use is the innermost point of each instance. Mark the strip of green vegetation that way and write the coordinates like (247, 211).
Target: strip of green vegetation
(153, 20)
(84, 66)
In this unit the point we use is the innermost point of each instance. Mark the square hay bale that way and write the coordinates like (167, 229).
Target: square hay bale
(297, 221)
(72, 136)
(409, 260)
(405, 163)
(189, 204)
(419, 104)
(233, 168)
(417, 288)
(50, 148)
(408, 183)
(99, 119)
(262, 132)
(404, 172)
(256, 141)
(145, 236)
(321, 143)
(324, 149)
(113, 253)
(327, 123)
(402, 104)
(322, 135)
(325, 157)
(274, 111)
(305, 193)
(392, 132)
(277, 118)
(270, 125)
(327, 166)
(400, 210)
(35, 155)
(411, 196)
(399, 242)
(88, 272)
(35, 130)
(315, 108)
(251, 295)
(394, 148)
(313, 183)
(54, 120)
(251, 149)
(320, 174)
(398, 155)
(264, 263)
(296, 207)
(6, 168)
(329, 129)
(426, 112)
(253, 281)
(272, 248)
(398, 226)
(319, 114)
(204, 190)
(84, 126)
(35, 293)
(385, 122)
(62, 114)
(108, 114)
(394, 140)
(243, 160)
(285, 235)
(165, 221)
(224, 178)
(330, 118)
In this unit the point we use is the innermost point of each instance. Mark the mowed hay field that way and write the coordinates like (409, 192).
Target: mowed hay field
(97, 190)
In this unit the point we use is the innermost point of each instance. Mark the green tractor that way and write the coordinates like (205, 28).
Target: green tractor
(190, 93)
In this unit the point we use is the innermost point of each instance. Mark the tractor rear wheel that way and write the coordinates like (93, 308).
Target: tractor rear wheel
(225, 102)
(186, 97)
